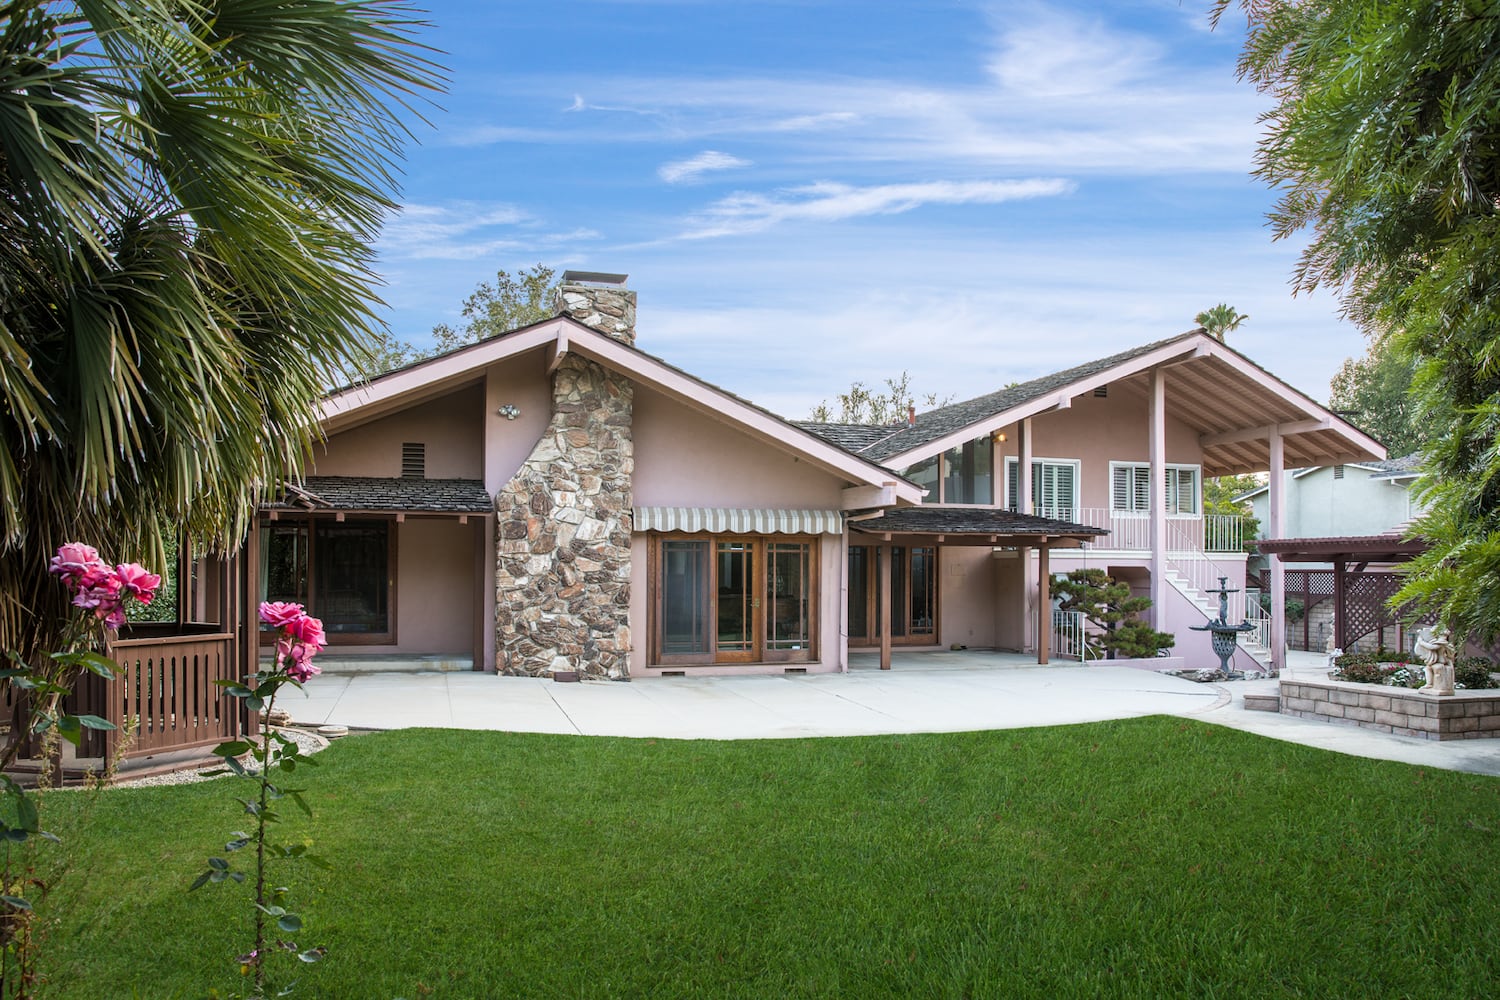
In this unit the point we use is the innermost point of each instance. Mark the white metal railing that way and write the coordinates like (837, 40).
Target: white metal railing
(1256, 615)
(1130, 531)
(1070, 637)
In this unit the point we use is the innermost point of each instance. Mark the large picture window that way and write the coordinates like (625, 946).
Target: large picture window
(341, 571)
(964, 474)
(718, 599)
(1130, 488)
(1054, 487)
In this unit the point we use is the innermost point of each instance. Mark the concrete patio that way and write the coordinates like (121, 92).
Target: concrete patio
(925, 692)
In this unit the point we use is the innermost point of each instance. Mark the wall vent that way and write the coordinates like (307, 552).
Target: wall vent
(413, 460)
(1338, 472)
(1101, 391)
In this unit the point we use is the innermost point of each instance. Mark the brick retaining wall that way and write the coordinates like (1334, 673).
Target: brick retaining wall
(1465, 715)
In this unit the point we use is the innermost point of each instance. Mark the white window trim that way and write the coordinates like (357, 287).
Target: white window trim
(1077, 465)
(1197, 471)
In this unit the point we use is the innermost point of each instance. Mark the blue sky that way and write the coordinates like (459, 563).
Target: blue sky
(809, 192)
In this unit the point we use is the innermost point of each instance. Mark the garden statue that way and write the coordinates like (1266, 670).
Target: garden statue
(1435, 647)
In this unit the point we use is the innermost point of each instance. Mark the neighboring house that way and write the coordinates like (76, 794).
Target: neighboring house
(557, 499)
(1356, 498)
(1349, 515)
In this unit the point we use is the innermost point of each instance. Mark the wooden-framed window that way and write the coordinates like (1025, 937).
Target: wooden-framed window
(1054, 487)
(343, 572)
(1130, 488)
(733, 599)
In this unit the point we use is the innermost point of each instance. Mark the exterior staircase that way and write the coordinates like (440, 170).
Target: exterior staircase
(1191, 573)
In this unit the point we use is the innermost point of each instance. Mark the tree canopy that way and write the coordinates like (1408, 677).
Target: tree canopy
(190, 192)
(1220, 320)
(1374, 391)
(861, 405)
(1384, 143)
(491, 309)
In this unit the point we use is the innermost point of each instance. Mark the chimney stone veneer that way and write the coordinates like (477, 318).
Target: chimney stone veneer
(562, 574)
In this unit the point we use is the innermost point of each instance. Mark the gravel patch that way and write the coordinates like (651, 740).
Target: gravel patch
(307, 742)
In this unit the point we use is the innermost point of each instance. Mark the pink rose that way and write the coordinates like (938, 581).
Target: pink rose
(278, 614)
(73, 559)
(302, 670)
(308, 630)
(136, 582)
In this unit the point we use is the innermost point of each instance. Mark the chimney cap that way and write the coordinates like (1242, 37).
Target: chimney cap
(597, 278)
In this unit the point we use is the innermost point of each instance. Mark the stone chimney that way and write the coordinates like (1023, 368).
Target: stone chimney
(600, 301)
(562, 573)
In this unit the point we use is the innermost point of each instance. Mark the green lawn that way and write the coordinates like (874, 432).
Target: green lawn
(1150, 858)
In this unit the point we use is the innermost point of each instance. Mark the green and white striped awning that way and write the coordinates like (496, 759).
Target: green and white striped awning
(738, 521)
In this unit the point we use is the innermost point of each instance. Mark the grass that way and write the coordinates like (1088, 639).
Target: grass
(1144, 858)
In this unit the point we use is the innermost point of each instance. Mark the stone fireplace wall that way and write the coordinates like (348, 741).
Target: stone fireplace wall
(564, 521)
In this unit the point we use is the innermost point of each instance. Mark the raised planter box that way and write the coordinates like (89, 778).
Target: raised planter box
(1464, 715)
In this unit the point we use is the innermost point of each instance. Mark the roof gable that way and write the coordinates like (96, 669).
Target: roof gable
(1231, 401)
(561, 336)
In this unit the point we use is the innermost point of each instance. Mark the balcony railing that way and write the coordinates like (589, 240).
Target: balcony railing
(1131, 532)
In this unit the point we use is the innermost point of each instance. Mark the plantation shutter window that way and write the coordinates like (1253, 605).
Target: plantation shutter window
(1130, 488)
(1054, 487)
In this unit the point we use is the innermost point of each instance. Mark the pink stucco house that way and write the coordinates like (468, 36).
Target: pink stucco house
(557, 499)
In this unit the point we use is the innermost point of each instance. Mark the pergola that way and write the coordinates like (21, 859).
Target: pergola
(971, 527)
(1359, 595)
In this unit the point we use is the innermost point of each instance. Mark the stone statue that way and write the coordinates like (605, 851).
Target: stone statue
(1435, 646)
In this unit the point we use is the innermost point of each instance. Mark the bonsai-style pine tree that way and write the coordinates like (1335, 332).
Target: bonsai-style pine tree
(1109, 605)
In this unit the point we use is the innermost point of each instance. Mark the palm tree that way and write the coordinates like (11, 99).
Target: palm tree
(1219, 320)
(188, 193)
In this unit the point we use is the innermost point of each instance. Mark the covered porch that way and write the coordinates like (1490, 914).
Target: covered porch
(941, 527)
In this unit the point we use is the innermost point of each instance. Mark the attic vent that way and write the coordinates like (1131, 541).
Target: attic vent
(413, 460)
(1102, 391)
(1338, 472)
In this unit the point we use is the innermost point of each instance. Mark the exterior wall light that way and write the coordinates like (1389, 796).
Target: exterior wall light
(509, 411)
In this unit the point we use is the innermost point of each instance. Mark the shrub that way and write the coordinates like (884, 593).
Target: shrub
(1473, 673)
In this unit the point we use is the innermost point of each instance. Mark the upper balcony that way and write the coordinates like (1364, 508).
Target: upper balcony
(1130, 531)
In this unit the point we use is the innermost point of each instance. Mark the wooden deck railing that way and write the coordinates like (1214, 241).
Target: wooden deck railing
(165, 686)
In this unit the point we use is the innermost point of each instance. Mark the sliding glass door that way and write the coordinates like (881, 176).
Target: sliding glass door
(914, 599)
(732, 600)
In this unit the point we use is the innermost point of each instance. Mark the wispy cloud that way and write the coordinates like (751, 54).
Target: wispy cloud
(748, 212)
(467, 231)
(686, 171)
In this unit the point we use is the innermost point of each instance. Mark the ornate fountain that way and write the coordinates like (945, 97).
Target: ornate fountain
(1226, 637)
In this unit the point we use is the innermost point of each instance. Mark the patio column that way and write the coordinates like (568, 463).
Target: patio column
(1044, 603)
(1157, 451)
(1022, 503)
(885, 606)
(1276, 498)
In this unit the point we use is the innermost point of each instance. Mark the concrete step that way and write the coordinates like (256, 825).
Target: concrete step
(1262, 702)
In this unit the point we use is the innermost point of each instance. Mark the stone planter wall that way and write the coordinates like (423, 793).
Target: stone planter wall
(1465, 715)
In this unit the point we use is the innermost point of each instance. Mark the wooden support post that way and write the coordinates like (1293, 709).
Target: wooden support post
(1340, 595)
(1276, 498)
(885, 607)
(1044, 604)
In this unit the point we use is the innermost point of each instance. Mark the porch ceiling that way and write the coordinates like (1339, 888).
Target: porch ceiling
(1232, 410)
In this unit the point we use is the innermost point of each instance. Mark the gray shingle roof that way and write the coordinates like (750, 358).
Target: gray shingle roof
(850, 437)
(448, 496)
(971, 521)
(1406, 463)
(946, 420)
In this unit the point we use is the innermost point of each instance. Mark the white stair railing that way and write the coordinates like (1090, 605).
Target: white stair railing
(1070, 636)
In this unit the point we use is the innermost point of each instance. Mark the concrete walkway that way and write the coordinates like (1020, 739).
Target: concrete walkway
(924, 693)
